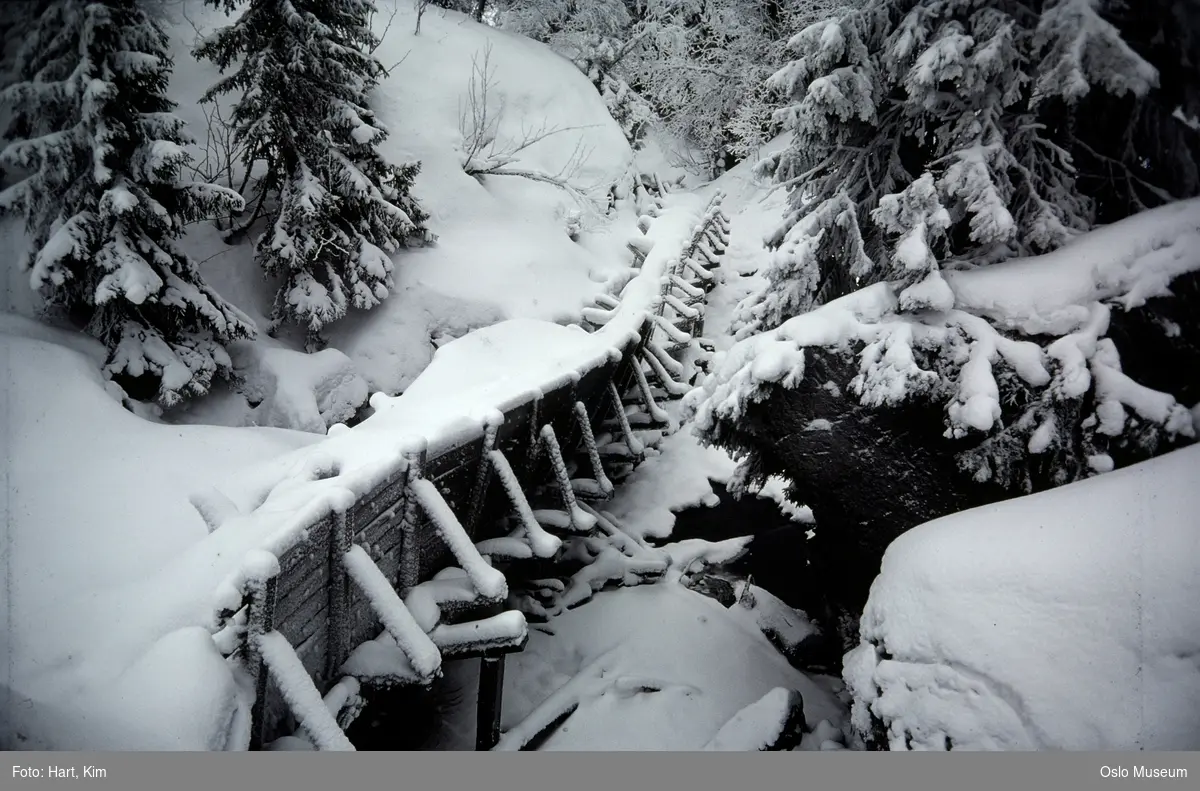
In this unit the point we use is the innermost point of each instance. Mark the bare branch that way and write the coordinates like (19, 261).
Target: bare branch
(386, 28)
(421, 6)
(388, 71)
(485, 153)
(220, 153)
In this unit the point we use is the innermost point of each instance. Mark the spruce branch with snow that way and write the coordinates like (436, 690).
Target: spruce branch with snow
(104, 199)
(977, 103)
(303, 71)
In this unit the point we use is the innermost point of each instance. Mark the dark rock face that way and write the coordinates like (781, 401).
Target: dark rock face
(871, 473)
(1160, 341)
(715, 588)
(867, 474)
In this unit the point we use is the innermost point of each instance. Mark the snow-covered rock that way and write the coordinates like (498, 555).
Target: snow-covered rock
(290, 389)
(1063, 620)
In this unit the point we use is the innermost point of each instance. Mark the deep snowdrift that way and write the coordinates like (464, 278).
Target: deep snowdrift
(94, 498)
(1064, 620)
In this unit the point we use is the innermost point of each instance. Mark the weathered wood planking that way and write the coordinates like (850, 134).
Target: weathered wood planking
(303, 606)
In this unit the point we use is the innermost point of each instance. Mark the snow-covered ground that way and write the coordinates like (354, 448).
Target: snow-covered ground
(1066, 620)
(109, 561)
(93, 498)
(656, 667)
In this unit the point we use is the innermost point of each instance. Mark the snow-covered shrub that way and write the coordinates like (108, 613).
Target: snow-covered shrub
(100, 155)
(1017, 353)
(946, 133)
(293, 390)
(339, 209)
(628, 109)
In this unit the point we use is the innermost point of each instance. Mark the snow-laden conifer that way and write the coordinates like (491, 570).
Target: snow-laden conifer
(334, 207)
(931, 134)
(99, 159)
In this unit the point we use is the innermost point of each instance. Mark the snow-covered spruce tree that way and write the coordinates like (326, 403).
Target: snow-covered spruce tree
(978, 100)
(1156, 153)
(15, 21)
(335, 208)
(104, 200)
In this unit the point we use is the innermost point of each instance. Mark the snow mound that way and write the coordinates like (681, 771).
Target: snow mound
(654, 667)
(181, 695)
(306, 392)
(98, 499)
(758, 726)
(785, 626)
(1064, 620)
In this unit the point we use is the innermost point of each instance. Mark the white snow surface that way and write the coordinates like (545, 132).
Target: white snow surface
(95, 500)
(706, 664)
(289, 389)
(754, 727)
(678, 477)
(1065, 620)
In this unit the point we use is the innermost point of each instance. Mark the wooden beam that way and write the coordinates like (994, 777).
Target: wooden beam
(261, 621)
(483, 477)
(535, 440)
(559, 465)
(491, 691)
(410, 558)
(623, 421)
(338, 645)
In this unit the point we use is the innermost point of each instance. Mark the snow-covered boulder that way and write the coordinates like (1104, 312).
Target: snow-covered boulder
(306, 392)
(1063, 620)
(1046, 370)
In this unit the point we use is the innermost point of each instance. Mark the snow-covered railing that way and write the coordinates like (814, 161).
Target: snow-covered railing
(339, 553)
(681, 259)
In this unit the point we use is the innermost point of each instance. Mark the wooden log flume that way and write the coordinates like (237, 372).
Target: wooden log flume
(377, 577)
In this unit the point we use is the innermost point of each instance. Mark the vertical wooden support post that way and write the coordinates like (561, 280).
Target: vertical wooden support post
(491, 691)
(261, 621)
(410, 552)
(483, 477)
(535, 440)
(568, 440)
(339, 596)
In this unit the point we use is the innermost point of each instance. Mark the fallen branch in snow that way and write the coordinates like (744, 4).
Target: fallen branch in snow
(487, 154)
